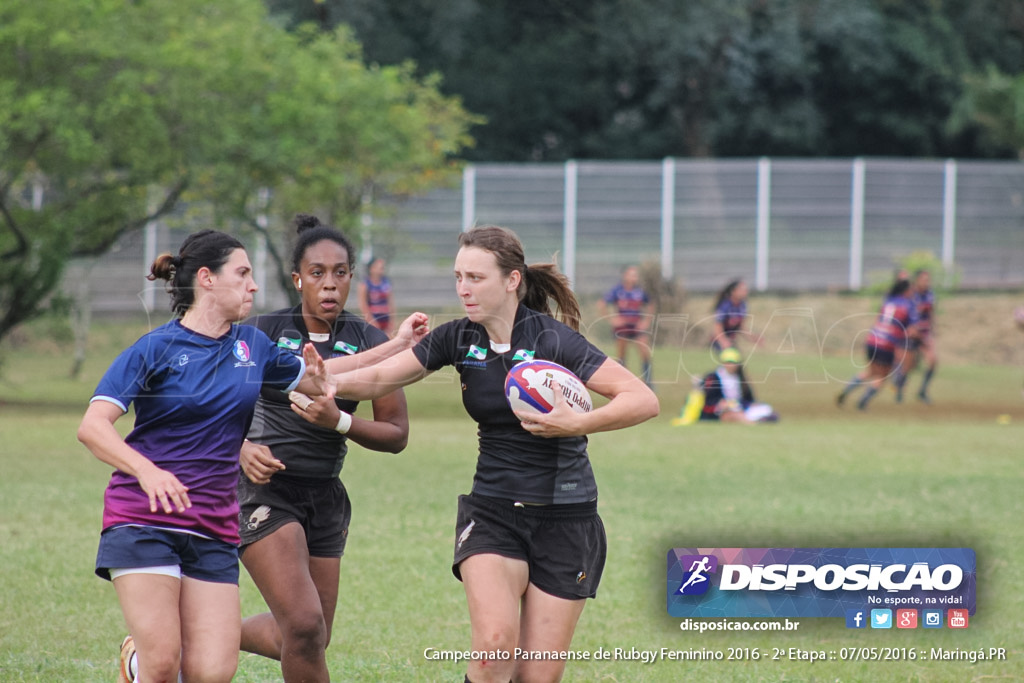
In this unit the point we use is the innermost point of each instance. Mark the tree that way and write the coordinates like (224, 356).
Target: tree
(560, 79)
(115, 111)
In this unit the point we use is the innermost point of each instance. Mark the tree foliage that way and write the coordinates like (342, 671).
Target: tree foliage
(558, 79)
(114, 111)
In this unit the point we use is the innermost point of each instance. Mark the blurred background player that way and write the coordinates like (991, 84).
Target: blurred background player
(886, 343)
(728, 396)
(730, 315)
(922, 345)
(376, 300)
(631, 320)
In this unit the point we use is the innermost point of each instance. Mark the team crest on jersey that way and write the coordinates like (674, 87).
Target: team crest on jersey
(524, 354)
(241, 351)
(288, 343)
(346, 348)
(476, 352)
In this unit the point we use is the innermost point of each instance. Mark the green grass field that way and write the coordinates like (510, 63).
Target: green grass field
(908, 475)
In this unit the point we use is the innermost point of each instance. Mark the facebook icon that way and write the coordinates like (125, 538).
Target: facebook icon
(855, 618)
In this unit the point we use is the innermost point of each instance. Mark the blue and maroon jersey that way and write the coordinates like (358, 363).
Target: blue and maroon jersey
(730, 316)
(629, 303)
(924, 303)
(378, 299)
(194, 397)
(890, 330)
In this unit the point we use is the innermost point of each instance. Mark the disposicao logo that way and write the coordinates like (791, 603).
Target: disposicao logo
(817, 582)
(696, 580)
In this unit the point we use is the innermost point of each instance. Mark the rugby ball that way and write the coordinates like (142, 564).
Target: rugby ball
(529, 387)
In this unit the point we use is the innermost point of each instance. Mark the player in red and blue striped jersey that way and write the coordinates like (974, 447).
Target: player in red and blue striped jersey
(886, 343)
(922, 345)
(376, 301)
(631, 321)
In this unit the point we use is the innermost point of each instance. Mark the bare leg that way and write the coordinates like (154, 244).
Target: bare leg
(494, 587)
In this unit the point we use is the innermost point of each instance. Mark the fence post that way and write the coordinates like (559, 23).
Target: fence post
(668, 216)
(468, 196)
(949, 220)
(857, 225)
(569, 221)
(764, 207)
(260, 257)
(150, 238)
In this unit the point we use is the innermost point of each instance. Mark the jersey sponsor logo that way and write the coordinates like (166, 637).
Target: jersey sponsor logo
(476, 352)
(524, 354)
(346, 348)
(288, 343)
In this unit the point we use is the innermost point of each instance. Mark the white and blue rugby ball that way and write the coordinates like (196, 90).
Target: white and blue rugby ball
(529, 387)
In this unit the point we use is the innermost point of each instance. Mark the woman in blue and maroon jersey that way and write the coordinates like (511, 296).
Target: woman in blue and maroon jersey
(170, 511)
(886, 344)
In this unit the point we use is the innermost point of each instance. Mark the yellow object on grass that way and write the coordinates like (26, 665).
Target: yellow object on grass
(691, 411)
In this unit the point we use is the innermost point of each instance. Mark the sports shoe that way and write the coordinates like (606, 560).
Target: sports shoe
(125, 673)
(923, 398)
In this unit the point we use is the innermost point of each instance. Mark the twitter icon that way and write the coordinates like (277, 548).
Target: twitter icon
(881, 618)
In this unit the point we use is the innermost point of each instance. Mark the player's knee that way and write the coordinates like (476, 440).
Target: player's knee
(218, 668)
(159, 666)
(305, 632)
(495, 637)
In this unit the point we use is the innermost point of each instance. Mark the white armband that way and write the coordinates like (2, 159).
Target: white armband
(344, 423)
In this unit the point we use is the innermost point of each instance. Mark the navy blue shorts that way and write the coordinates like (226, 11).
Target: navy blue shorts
(884, 357)
(132, 547)
(565, 546)
(322, 508)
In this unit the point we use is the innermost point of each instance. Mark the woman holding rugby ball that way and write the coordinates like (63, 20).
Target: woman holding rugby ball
(529, 544)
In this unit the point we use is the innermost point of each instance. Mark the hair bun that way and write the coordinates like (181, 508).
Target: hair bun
(305, 221)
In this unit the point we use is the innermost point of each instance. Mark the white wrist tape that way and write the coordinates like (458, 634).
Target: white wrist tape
(344, 423)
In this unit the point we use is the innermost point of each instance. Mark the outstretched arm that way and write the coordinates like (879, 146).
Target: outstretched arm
(375, 380)
(412, 329)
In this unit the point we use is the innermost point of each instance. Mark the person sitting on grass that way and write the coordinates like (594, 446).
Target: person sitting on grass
(728, 396)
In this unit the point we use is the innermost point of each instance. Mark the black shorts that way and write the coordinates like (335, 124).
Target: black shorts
(565, 546)
(884, 357)
(630, 331)
(322, 508)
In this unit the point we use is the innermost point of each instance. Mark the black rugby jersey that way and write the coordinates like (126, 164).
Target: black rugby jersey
(308, 451)
(513, 463)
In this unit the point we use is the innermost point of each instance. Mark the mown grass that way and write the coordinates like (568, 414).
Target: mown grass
(910, 475)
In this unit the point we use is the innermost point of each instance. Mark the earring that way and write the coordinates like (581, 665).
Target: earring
(300, 284)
